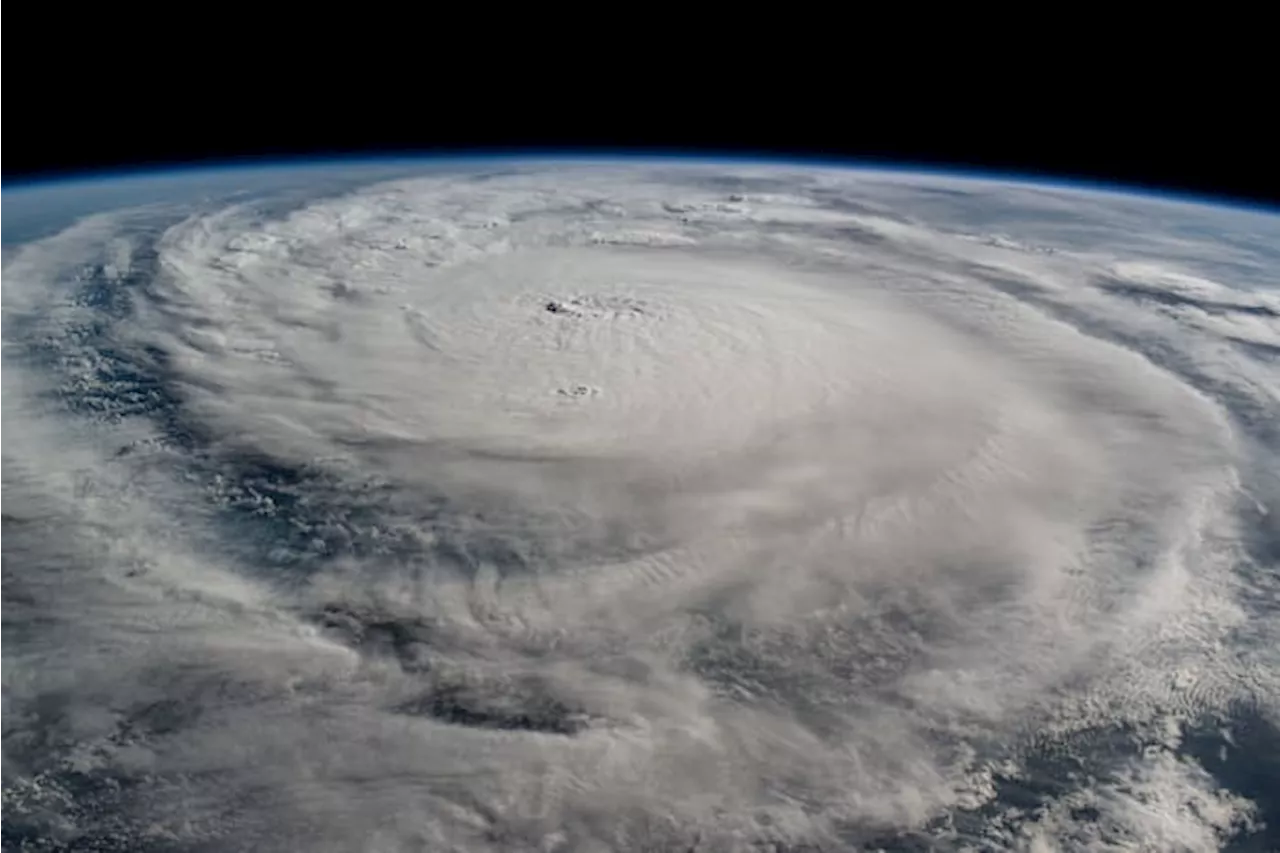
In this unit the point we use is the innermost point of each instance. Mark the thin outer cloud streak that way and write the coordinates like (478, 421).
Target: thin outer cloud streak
(643, 507)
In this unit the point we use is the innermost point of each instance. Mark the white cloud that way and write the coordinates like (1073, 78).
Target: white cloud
(833, 526)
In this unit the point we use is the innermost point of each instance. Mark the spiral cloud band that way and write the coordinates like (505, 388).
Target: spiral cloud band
(644, 506)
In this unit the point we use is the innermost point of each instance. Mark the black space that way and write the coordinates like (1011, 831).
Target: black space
(218, 91)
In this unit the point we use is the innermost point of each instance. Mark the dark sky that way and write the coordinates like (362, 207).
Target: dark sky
(1172, 139)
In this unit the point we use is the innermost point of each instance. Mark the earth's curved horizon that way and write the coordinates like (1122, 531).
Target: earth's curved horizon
(638, 503)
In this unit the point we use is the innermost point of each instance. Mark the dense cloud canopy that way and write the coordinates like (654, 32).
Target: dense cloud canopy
(643, 506)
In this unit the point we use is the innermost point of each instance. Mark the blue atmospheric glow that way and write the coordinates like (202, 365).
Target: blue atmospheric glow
(410, 161)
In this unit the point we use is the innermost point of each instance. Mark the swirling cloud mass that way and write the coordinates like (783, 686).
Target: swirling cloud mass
(644, 506)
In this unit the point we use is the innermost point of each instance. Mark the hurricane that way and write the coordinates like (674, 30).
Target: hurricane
(642, 505)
